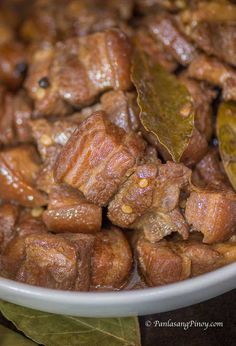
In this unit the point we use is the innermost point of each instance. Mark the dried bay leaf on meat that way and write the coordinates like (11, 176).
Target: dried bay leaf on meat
(166, 107)
(10, 338)
(58, 330)
(226, 133)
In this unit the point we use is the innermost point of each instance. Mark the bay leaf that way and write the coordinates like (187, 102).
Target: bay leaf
(57, 330)
(226, 133)
(11, 338)
(166, 107)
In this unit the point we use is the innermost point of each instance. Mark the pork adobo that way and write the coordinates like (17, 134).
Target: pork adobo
(117, 142)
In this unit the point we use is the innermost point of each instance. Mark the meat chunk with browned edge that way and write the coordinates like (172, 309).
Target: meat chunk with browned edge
(49, 260)
(28, 224)
(210, 171)
(111, 261)
(154, 48)
(40, 86)
(13, 253)
(50, 137)
(159, 264)
(164, 216)
(213, 213)
(76, 71)
(134, 197)
(18, 169)
(215, 72)
(149, 200)
(203, 257)
(164, 28)
(68, 211)
(121, 109)
(217, 39)
(174, 260)
(97, 158)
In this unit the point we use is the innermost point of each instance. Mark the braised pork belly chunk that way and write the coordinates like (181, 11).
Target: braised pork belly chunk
(173, 260)
(215, 72)
(155, 49)
(212, 212)
(68, 211)
(74, 72)
(149, 200)
(46, 260)
(134, 197)
(214, 30)
(121, 109)
(159, 264)
(97, 158)
(209, 171)
(112, 260)
(117, 141)
(164, 28)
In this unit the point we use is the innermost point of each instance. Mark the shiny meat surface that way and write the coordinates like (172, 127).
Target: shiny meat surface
(134, 197)
(159, 264)
(170, 261)
(164, 215)
(149, 200)
(218, 39)
(155, 49)
(111, 261)
(48, 260)
(213, 213)
(76, 71)
(165, 30)
(97, 158)
(211, 170)
(68, 211)
(121, 109)
(215, 72)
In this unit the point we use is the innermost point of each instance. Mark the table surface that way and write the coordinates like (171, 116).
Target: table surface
(221, 309)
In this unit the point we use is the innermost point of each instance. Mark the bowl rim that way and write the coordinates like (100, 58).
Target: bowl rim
(115, 298)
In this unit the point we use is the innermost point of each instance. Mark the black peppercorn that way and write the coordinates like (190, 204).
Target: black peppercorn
(21, 68)
(44, 82)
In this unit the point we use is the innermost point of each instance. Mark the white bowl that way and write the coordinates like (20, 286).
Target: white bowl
(123, 303)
